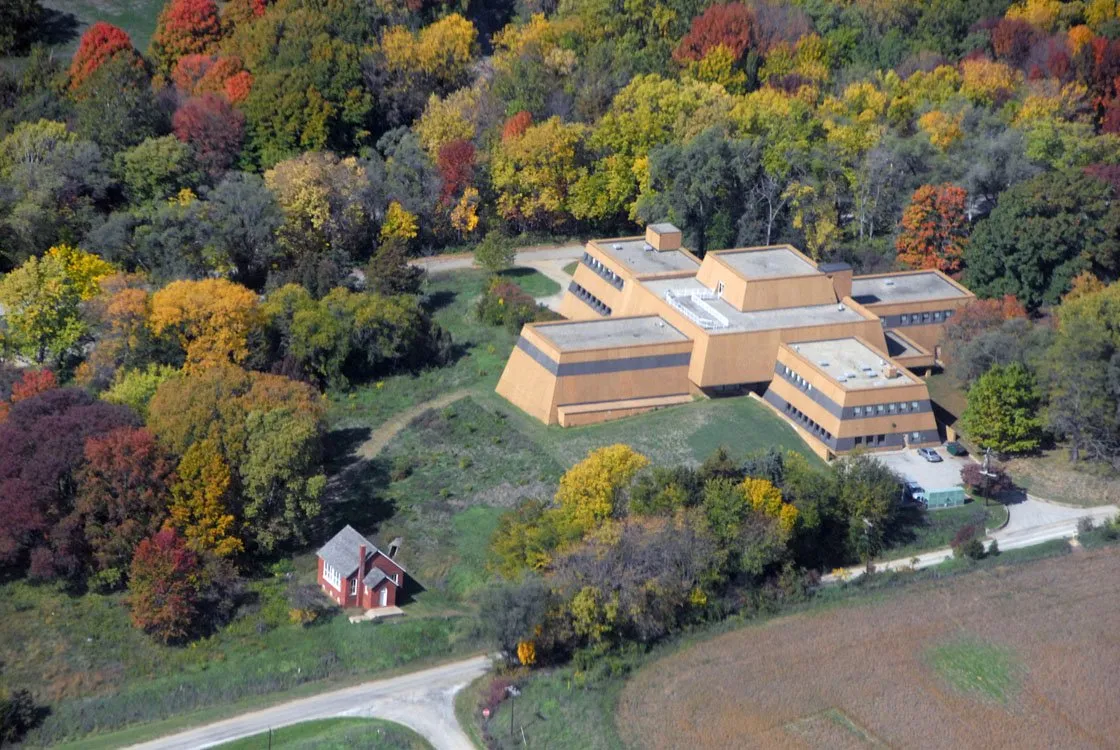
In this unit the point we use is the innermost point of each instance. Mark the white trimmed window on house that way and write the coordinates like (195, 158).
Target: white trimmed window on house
(332, 576)
(354, 587)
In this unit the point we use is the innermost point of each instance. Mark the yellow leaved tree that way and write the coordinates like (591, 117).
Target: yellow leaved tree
(589, 491)
(211, 319)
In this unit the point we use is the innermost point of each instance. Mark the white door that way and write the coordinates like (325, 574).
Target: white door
(383, 597)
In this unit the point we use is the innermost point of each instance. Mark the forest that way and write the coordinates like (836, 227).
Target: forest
(202, 240)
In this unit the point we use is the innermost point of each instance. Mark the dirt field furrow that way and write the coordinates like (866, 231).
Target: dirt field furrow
(1019, 657)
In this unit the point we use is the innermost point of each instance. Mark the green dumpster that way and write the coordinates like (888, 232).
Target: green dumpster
(948, 497)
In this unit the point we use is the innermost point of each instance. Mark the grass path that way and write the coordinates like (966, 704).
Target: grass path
(389, 430)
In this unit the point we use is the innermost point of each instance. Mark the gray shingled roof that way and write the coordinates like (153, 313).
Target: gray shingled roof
(341, 553)
(373, 577)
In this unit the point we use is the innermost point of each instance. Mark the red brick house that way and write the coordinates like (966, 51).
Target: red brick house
(355, 573)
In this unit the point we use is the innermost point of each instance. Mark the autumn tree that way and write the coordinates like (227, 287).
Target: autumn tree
(590, 492)
(731, 26)
(456, 166)
(42, 302)
(156, 169)
(534, 173)
(122, 496)
(42, 445)
(213, 128)
(195, 75)
(184, 27)
(495, 253)
(269, 432)
(934, 229)
(212, 320)
(201, 503)
(100, 43)
(164, 587)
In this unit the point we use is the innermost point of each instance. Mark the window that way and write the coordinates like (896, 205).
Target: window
(947, 314)
(916, 435)
(937, 317)
(904, 320)
(331, 576)
(891, 408)
(880, 439)
(396, 578)
(913, 405)
(857, 411)
(925, 317)
(354, 586)
(881, 409)
(858, 441)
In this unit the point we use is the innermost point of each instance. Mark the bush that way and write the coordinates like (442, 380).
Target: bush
(18, 713)
(993, 549)
(966, 543)
(506, 304)
(973, 549)
(1084, 525)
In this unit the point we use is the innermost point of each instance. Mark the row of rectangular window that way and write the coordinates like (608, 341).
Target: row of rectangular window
(607, 274)
(874, 410)
(592, 301)
(807, 422)
(797, 380)
(880, 439)
(924, 318)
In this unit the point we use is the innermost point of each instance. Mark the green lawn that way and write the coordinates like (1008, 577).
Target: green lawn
(553, 711)
(535, 283)
(99, 674)
(974, 667)
(335, 734)
(922, 531)
(137, 17)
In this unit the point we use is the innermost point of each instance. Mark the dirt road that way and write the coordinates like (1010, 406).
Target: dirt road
(423, 701)
(380, 437)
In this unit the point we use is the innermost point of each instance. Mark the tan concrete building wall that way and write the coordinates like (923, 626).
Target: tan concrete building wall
(794, 291)
(528, 386)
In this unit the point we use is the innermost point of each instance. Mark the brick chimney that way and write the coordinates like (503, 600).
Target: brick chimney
(361, 571)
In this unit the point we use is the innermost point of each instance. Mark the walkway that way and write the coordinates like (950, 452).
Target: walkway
(423, 701)
(1031, 522)
(381, 437)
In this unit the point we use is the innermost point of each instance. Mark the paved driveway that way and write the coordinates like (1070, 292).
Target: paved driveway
(913, 468)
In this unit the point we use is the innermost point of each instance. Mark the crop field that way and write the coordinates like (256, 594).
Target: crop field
(1012, 657)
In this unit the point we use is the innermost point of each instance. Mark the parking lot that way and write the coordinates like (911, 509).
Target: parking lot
(913, 468)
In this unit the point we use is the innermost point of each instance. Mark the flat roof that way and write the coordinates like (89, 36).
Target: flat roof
(769, 262)
(903, 287)
(897, 346)
(631, 253)
(757, 320)
(605, 333)
(850, 363)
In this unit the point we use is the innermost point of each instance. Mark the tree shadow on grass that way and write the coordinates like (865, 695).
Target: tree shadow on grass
(903, 530)
(56, 27)
(356, 496)
(439, 299)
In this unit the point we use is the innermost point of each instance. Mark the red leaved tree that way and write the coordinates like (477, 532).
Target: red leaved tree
(731, 25)
(185, 27)
(164, 587)
(33, 383)
(216, 74)
(934, 228)
(456, 166)
(101, 43)
(243, 11)
(211, 125)
(1013, 39)
(516, 125)
(122, 494)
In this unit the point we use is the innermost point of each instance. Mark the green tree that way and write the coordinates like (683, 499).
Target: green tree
(495, 253)
(42, 304)
(116, 107)
(156, 169)
(1043, 233)
(1004, 410)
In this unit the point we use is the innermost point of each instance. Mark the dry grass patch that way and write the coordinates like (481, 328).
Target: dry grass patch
(1052, 476)
(1035, 639)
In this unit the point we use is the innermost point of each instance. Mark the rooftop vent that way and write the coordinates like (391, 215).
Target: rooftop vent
(647, 247)
(888, 282)
(663, 236)
(840, 307)
(823, 363)
(617, 246)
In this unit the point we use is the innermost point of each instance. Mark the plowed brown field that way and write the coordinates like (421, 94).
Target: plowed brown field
(860, 676)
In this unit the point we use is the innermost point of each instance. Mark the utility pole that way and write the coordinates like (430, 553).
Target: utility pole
(986, 470)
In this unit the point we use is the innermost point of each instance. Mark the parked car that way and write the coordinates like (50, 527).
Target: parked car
(915, 493)
(955, 449)
(930, 455)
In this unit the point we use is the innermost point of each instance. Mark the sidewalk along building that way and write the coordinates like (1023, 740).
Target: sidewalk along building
(354, 573)
(650, 325)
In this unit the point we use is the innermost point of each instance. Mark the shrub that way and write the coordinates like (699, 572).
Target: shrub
(973, 549)
(1084, 525)
(505, 303)
(993, 549)
(18, 713)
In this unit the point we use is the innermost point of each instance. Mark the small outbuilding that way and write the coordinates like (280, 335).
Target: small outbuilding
(354, 573)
